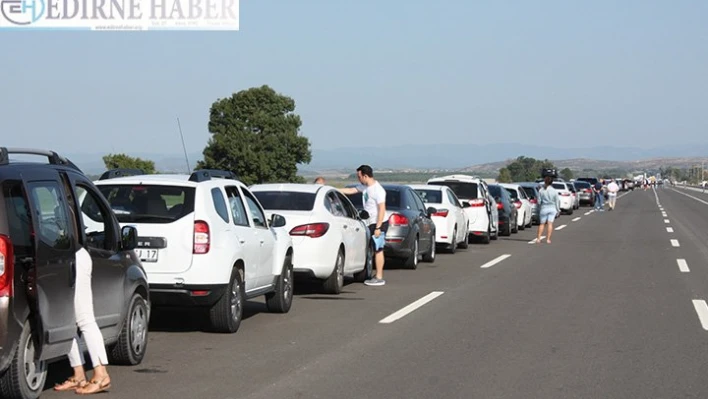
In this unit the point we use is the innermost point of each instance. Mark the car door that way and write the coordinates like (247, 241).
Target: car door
(51, 277)
(358, 234)
(346, 228)
(265, 238)
(427, 226)
(243, 234)
(101, 238)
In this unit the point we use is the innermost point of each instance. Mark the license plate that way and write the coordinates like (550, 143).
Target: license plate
(146, 255)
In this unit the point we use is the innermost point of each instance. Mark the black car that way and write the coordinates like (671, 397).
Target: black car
(508, 218)
(37, 271)
(411, 231)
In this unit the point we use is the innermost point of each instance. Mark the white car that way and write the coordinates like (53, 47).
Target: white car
(450, 219)
(567, 202)
(329, 235)
(474, 191)
(522, 202)
(204, 241)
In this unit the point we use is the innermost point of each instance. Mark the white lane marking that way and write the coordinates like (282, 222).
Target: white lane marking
(690, 196)
(666, 221)
(702, 309)
(494, 261)
(664, 214)
(534, 240)
(675, 243)
(576, 219)
(683, 265)
(410, 308)
(669, 230)
(561, 227)
(587, 213)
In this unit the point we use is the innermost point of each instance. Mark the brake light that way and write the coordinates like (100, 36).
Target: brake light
(533, 201)
(441, 212)
(398, 220)
(517, 204)
(477, 202)
(565, 194)
(7, 260)
(500, 205)
(312, 230)
(201, 237)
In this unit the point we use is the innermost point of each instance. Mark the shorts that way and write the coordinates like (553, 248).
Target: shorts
(380, 242)
(547, 215)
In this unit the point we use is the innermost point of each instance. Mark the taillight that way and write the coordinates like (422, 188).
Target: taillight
(312, 230)
(517, 204)
(533, 201)
(398, 220)
(441, 212)
(6, 266)
(500, 205)
(201, 237)
(565, 194)
(477, 202)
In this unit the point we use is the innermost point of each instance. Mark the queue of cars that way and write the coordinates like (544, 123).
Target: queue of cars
(204, 241)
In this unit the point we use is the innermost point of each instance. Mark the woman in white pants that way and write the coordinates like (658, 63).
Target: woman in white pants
(85, 320)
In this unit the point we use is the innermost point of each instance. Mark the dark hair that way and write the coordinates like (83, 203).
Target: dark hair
(318, 179)
(365, 170)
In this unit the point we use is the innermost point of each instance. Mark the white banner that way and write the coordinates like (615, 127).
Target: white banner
(119, 14)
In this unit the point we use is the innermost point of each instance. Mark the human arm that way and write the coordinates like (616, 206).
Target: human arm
(348, 190)
(381, 211)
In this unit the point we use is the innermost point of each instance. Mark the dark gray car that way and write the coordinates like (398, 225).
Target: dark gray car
(37, 271)
(411, 231)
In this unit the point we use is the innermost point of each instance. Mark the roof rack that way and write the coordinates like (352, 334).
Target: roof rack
(121, 172)
(52, 157)
(207, 174)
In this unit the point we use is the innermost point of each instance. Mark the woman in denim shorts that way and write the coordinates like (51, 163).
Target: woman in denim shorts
(549, 207)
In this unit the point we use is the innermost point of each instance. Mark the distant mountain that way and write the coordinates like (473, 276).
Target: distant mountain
(580, 164)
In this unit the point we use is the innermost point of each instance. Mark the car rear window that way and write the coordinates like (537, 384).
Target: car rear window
(512, 193)
(286, 200)
(530, 192)
(581, 185)
(430, 196)
(393, 199)
(559, 186)
(149, 203)
(462, 190)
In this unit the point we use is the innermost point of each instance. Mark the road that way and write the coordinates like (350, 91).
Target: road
(612, 309)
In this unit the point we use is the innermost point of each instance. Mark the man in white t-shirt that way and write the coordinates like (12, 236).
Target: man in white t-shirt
(374, 202)
(612, 190)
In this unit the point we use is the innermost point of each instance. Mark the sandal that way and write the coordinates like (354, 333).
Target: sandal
(71, 384)
(95, 386)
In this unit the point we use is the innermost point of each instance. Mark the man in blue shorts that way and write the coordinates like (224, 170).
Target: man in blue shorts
(374, 198)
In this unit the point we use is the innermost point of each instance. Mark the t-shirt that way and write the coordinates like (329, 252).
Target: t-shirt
(613, 188)
(372, 196)
(598, 186)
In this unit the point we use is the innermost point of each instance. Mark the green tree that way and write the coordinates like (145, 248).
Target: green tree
(115, 161)
(504, 176)
(255, 135)
(566, 174)
(527, 169)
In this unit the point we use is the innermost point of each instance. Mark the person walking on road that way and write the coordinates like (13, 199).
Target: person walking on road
(612, 190)
(374, 201)
(549, 207)
(599, 197)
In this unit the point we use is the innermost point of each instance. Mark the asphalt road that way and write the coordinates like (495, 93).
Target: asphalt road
(609, 310)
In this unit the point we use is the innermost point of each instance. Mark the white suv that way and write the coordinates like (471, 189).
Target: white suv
(482, 215)
(204, 242)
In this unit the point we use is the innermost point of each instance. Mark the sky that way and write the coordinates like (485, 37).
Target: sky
(375, 73)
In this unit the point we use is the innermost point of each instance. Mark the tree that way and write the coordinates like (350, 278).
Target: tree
(566, 174)
(255, 135)
(115, 161)
(527, 169)
(504, 176)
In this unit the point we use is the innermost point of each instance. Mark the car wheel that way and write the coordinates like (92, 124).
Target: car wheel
(335, 282)
(466, 242)
(281, 300)
(132, 341)
(368, 266)
(430, 256)
(515, 229)
(225, 316)
(25, 377)
(412, 262)
(522, 226)
(486, 239)
(452, 248)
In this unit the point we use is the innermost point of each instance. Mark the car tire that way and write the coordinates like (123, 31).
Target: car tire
(226, 315)
(487, 238)
(366, 273)
(515, 229)
(429, 257)
(523, 223)
(466, 242)
(281, 300)
(15, 382)
(335, 282)
(133, 339)
(452, 248)
(412, 261)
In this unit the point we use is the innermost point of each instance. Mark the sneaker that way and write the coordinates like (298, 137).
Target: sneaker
(375, 282)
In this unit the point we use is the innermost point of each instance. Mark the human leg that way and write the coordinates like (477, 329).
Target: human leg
(379, 260)
(76, 359)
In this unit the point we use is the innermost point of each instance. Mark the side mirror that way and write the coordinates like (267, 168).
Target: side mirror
(129, 237)
(278, 221)
(431, 211)
(363, 215)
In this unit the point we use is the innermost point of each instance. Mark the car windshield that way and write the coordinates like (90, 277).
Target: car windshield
(430, 196)
(393, 199)
(148, 203)
(464, 191)
(286, 200)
